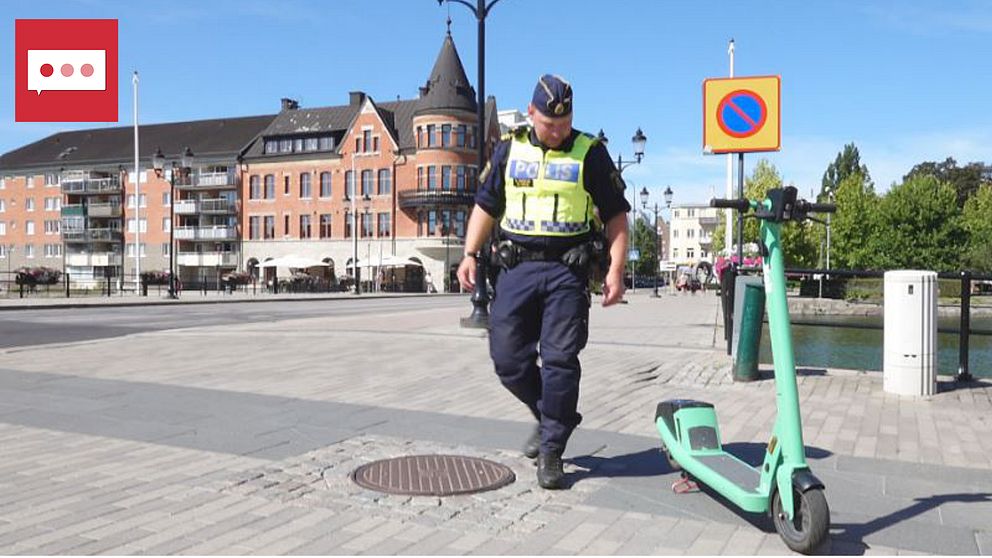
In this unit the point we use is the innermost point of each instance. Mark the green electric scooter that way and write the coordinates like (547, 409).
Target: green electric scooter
(783, 485)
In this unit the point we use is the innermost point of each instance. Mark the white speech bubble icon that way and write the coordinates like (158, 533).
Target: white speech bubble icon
(67, 70)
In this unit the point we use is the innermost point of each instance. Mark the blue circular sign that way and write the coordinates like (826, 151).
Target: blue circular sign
(741, 113)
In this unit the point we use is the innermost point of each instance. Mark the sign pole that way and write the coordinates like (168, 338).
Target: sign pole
(740, 214)
(728, 242)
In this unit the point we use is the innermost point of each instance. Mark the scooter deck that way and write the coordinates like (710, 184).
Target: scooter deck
(734, 470)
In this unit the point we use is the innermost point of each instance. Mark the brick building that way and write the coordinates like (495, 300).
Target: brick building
(260, 187)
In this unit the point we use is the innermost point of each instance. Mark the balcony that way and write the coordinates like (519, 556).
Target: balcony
(208, 180)
(107, 185)
(186, 207)
(206, 233)
(74, 210)
(108, 209)
(208, 259)
(410, 199)
(218, 206)
(92, 235)
(96, 259)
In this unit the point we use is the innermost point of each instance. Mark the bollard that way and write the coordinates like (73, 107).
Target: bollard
(749, 342)
(66, 285)
(727, 280)
(964, 374)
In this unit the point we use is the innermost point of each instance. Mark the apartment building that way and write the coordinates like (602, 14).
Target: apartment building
(691, 233)
(400, 176)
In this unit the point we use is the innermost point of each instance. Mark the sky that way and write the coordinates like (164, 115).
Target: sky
(905, 81)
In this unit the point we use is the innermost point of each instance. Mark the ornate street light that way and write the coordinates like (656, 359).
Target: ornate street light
(184, 165)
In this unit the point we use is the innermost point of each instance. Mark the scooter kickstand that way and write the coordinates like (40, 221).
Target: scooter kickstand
(684, 484)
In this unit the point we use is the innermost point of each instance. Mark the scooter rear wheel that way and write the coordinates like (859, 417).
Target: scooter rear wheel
(810, 523)
(672, 464)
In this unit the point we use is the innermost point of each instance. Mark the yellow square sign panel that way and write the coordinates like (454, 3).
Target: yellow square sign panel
(742, 115)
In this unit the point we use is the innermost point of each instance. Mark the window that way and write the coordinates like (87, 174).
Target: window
(446, 135)
(471, 137)
(51, 179)
(431, 223)
(325, 184)
(143, 224)
(420, 137)
(165, 249)
(349, 219)
(445, 177)
(271, 146)
(52, 226)
(702, 254)
(460, 223)
(326, 143)
(304, 226)
(130, 249)
(385, 182)
(383, 224)
(305, 191)
(3, 228)
(29, 250)
(460, 135)
(689, 252)
(349, 184)
(366, 183)
(691, 233)
(29, 227)
(375, 144)
(254, 227)
(366, 225)
(325, 225)
(166, 198)
(285, 146)
(676, 213)
(270, 227)
(166, 224)
(311, 144)
(130, 200)
(29, 204)
(270, 186)
(692, 213)
(285, 225)
(470, 174)
(3, 206)
(3, 250)
(143, 200)
(298, 145)
(460, 181)
(285, 187)
(431, 137)
(420, 178)
(358, 144)
(254, 187)
(53, 250)
(432, 177)
(366, 140)
(675, 233)
(675, 252)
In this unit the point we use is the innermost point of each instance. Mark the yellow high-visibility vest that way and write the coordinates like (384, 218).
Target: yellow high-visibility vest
(545, 192)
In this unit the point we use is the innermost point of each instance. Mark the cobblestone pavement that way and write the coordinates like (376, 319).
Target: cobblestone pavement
(240, 439)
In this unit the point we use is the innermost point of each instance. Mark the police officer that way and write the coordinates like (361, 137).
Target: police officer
(545, 185)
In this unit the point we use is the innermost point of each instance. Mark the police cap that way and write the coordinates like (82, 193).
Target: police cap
(552, 96)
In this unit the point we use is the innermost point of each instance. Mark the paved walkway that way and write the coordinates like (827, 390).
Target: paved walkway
(240, 439)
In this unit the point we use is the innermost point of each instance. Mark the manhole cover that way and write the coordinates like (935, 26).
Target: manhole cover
(433, 475)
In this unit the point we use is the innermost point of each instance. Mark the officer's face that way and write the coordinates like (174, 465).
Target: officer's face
(552, 132)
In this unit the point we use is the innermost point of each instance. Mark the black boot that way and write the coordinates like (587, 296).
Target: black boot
(549, 470)
(533, 444)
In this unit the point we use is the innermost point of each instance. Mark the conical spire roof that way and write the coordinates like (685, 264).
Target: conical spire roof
(448, 88)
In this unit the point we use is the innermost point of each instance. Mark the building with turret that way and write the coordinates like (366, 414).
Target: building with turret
(390, 182)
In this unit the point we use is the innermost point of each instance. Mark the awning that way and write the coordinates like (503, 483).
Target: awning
(295, 262)
(386, 261)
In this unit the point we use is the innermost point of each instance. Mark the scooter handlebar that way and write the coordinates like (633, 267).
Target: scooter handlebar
(808, 207)
(738, 204)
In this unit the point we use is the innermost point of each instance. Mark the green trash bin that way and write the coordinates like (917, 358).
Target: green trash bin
(749, 343)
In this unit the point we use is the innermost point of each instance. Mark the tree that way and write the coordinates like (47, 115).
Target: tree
(977, 222)
(798, 242)
(965, 180)
(847, 163)
(920, 226)
(854, 227)
(645, 243)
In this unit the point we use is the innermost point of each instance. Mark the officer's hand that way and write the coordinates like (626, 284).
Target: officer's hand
(466, 273)
(612, 289)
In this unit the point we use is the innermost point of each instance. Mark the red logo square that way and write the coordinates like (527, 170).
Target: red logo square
(65, 70)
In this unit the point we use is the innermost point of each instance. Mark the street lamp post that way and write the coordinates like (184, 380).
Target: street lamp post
(639, 140)
(657, 233)
(480, 297)
(185, 165)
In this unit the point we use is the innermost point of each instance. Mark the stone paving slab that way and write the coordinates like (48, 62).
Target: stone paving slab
(231, 439)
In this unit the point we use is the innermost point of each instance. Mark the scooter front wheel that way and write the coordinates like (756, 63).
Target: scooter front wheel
(810, 522)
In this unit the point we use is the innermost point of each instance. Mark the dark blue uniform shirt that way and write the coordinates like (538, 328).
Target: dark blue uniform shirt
(601, 178)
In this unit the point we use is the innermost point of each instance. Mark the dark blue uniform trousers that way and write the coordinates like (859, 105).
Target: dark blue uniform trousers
(546, 305)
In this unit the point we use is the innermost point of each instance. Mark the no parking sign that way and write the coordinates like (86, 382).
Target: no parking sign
(741, 115)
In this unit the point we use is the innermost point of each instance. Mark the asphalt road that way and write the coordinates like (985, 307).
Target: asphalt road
(46, 326)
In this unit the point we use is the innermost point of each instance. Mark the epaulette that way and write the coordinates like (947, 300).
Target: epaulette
(518, 131)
